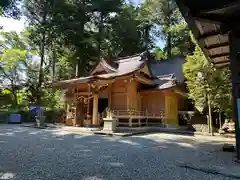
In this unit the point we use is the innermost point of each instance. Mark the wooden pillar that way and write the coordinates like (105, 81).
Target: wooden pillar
(110, 96)
(80, 113)
(132, 95)
(132, 99)
(95, 109)
(234, 42)
(171, 110)
(66, 106)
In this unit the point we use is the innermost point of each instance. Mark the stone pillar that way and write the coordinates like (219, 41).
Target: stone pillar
(95, 109)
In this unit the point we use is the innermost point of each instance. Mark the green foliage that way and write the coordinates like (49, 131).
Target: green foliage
(169, 25)
(197, 63)
(66, 38)
(203, 78)
(9, 8)
(11, 74)
(52, 99)
(160, 54)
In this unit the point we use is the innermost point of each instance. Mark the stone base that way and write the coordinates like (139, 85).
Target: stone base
(109, 125)
(40, 120)
(171, 126)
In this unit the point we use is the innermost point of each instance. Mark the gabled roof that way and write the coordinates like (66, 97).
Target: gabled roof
(164, 74)
(173, 67)
(120, 66)
(103, 67)
(123, 67)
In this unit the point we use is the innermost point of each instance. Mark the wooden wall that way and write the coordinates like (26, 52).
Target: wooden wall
(124, 95)
(171, 109)
(182, 103)
(132, 95)
(153, 102)
(119, 95)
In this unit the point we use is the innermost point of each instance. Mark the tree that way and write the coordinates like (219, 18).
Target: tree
(9, 8)
(207, 85)
(39, 15)
(17, 59)
(168, 24)
(160, 54)
(11, 71)
(222, 94)
(126, 36)
(102, 13)
(165, 14)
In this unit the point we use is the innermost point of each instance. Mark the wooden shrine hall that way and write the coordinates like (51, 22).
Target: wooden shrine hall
(138, 92)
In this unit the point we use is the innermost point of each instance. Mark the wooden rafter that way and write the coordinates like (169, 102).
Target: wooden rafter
(213, 46)
(209, 34)
(221, 62)
(219, 55)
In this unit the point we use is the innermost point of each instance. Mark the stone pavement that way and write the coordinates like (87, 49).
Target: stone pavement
(40, 154)
(138, 131)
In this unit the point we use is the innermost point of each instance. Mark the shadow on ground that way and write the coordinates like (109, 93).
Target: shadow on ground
(28, 153)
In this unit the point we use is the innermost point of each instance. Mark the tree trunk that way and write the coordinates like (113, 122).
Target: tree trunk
(81, 47)
(53, 63)
(210, 115)
(40, 78)
(15, 98)
(42, 54)
(191, 45)
(14, 92)
(146, 38)
(220, 119)
(100, 33)
(169, 45)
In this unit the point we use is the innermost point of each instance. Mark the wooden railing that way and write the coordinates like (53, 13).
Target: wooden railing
(135, 114)
(137, 118)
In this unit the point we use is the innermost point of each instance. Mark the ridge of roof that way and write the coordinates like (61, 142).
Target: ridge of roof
(107, 65)
(173, 58)
(129, 58)
(125, 59)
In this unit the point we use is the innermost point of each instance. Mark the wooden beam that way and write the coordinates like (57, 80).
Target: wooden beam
(143, 79)
(208, 19)
(224, 66)
(84, 93)
(219, 55)
(222, 5)
(209, 34)
(110, 96)
(221, 62)
(213, 46)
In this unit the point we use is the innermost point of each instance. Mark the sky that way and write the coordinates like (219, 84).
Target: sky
(10, 24)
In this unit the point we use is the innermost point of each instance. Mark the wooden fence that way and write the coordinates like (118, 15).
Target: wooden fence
(138, 118)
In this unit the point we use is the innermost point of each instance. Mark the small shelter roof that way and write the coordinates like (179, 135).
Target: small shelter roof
(210, 22)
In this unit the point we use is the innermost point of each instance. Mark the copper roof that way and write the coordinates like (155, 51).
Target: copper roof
(165, 74)
(125, 66)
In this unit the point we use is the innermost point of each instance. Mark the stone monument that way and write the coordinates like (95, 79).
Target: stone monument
(109, 121)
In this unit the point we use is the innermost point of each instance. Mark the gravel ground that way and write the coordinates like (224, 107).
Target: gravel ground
(33, 154)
